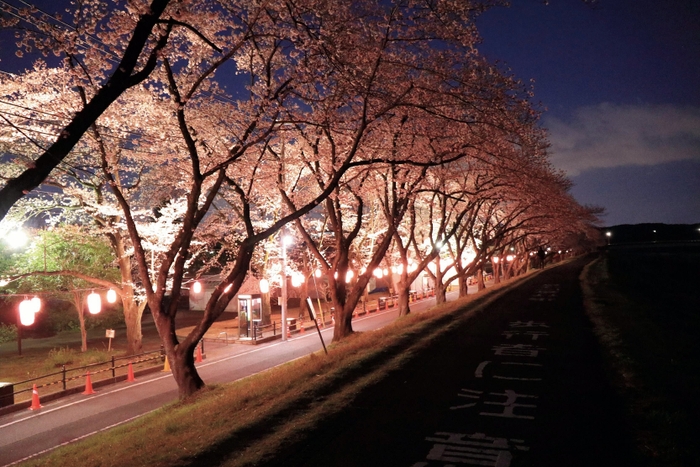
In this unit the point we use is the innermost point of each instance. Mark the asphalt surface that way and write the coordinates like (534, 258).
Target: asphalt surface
(29, 433)
(521, 383)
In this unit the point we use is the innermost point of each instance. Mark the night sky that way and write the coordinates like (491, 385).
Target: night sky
(620, 82)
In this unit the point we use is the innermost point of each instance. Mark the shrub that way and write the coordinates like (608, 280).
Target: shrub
(8, 333)
(59, 357)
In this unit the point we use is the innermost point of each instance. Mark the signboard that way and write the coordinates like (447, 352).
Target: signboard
(110, 333)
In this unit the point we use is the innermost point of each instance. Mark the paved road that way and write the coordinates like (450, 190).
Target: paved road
(521, 384)
(28, 433)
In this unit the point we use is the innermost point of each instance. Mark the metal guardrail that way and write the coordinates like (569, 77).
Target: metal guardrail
(67, 377)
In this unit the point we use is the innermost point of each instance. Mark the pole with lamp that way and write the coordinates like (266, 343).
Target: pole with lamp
(286, 240)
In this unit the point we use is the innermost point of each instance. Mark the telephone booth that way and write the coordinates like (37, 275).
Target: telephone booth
(249, 316)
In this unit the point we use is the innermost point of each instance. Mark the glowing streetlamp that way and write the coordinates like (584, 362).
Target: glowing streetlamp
(196, 287)
(264, 286)
(286, 240)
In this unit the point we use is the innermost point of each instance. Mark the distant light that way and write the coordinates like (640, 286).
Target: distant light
(197, 287)
(228, 287)
(318, 273)
(94, 303)
(287, 240)
(495, 259)
(509, 258)
(349, 275)
(378, 273)
(16, 238)
(297, 280)
(385, 271)
(608, 234)
(264, 286)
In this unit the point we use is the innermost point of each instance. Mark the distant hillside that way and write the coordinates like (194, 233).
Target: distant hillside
(627, 233)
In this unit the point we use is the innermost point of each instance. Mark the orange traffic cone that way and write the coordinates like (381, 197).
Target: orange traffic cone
(198, 357)
(301, 328)
(166, 367)
(88, 385)
(130, 376)
(35, 399)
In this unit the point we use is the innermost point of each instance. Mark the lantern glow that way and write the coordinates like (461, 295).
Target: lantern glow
(264, 286)
(111, 296)
(26, 312)
(36, 304)
(94, 303)
(197, 287)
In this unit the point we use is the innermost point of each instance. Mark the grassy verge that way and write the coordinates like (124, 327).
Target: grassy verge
(651, 355)
(245, 422)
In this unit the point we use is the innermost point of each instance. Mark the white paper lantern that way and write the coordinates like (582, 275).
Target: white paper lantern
(26, 312)
(94, 303)
(264, 286)
(197, 287)
(36, 304)
(111, 296)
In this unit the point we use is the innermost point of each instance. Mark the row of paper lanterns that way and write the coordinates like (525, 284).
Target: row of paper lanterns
(29, 307)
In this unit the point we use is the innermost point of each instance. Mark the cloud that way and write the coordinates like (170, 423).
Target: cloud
(609, 135)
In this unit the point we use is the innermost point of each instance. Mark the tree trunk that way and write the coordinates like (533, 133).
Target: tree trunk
(402, 292)
(496, 273)
(78, 303)
(266, 309)
(480, 280)
(303, 294)
(134, 335)
(463, 286)
(185, 374)
(440, 288)
(343, 321)
(133, 312)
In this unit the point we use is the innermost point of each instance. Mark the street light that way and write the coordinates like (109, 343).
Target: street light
(286, 240)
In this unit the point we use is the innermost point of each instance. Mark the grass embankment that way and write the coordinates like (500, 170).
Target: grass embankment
(245, 422)
(650, 335)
